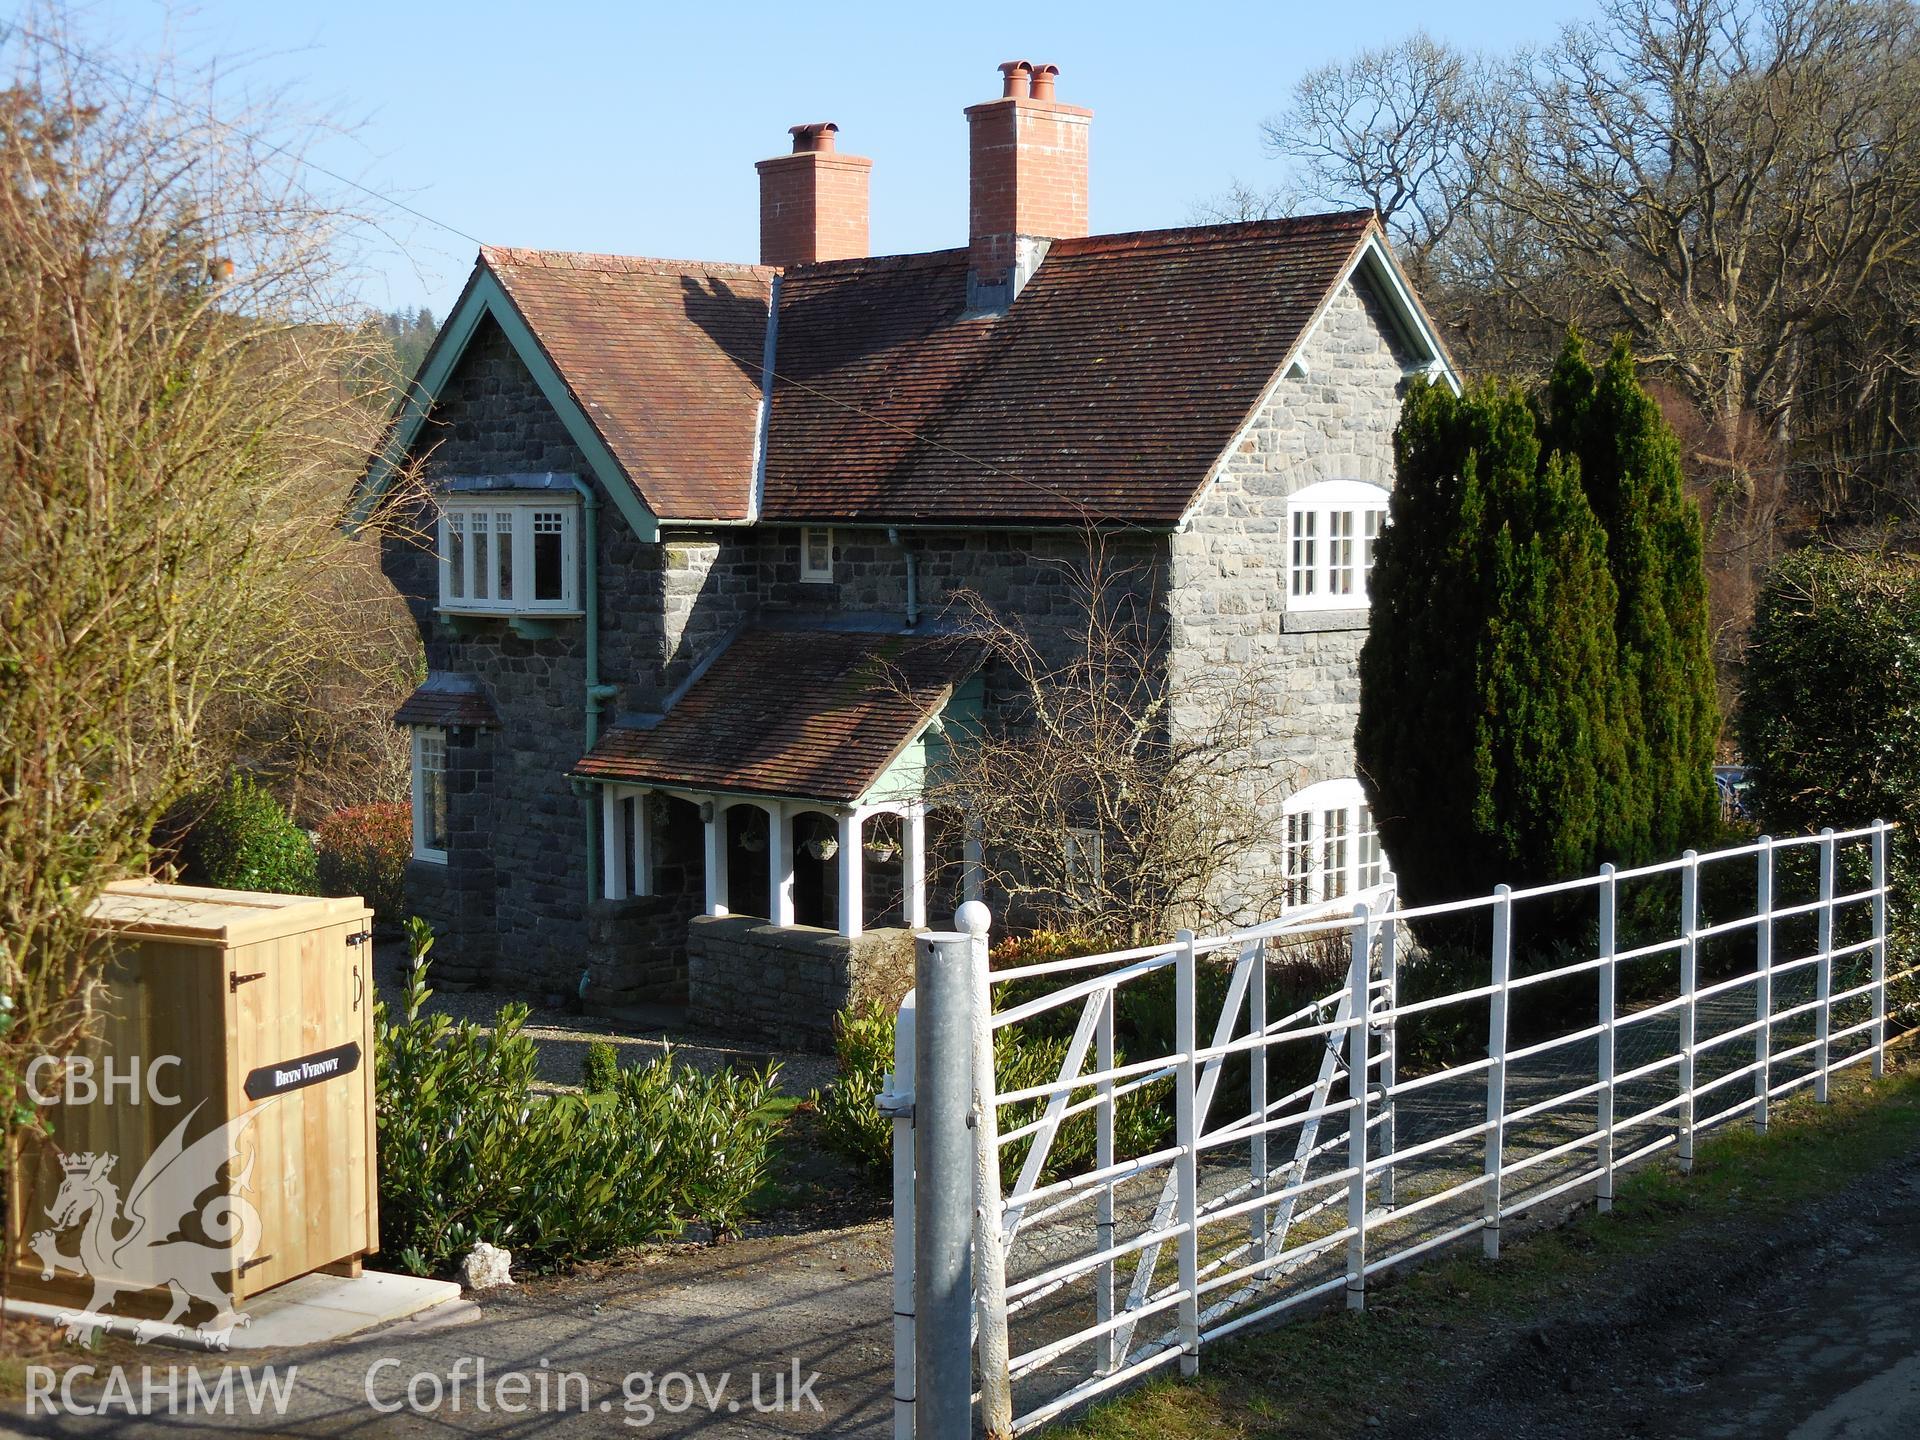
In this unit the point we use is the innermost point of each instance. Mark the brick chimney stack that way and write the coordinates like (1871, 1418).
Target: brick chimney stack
(813, 203)
(1028, 183)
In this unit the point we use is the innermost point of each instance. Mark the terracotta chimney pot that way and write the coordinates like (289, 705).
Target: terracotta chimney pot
(1018, 79)
(1043, 78)
(814, 139)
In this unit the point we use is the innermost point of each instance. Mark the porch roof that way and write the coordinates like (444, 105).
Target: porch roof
(814, 714)
(447, 700)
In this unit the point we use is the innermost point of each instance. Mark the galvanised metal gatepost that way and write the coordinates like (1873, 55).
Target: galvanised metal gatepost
(943, 1185)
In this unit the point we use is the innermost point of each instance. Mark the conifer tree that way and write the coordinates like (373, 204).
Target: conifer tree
(1630, 467)
(1492, 725)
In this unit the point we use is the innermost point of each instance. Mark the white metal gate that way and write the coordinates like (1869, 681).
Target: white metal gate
(1304, 1153)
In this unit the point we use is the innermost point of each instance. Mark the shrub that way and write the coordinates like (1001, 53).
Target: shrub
(363, 850)
(468, 1151)
(850, 1123)
(1830, 713)
(599, 1068)
(852, 1126)
(1830, 693)
(244, 840)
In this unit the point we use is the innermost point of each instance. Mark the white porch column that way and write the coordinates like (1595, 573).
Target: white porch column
(715, 820)
(913, 864)
(779, 864)
(852, 859)
(613, 843)
(973, 862)
(642, 882)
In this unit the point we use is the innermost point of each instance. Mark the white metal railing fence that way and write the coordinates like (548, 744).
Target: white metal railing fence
(1320, 1137)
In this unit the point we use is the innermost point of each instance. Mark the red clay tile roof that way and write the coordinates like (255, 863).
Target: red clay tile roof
(816, 714)
(434, 703)
(663, 356)
(1105, 393)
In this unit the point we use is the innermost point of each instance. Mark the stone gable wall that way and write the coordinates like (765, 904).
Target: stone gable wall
(1230, 571)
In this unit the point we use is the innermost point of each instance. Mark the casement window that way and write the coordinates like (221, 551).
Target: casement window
(509, 556)
(816, 552)
(430, 793)
(1331, 530)
(1330, 847)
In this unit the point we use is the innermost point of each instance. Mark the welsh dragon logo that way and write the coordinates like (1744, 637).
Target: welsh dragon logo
(138, 1245)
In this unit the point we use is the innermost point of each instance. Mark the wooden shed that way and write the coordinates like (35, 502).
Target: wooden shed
(222, 1122)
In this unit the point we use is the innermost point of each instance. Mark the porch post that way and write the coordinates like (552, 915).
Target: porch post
(642, 883)
(852, 859)
(913, 864)
(715, 819)
(779, 864)
(973, 862)
(613, 847)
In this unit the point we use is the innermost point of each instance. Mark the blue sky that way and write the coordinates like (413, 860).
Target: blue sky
(634, 127)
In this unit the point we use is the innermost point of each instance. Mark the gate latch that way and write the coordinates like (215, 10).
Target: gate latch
(894, 1104)
(360, 938)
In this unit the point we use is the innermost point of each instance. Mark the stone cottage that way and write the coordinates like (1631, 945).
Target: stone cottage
(687, 529)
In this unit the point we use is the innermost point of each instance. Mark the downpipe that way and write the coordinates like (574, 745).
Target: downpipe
(895, 538)
(597, 694)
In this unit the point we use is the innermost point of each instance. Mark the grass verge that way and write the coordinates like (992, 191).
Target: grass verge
(1325, 1375)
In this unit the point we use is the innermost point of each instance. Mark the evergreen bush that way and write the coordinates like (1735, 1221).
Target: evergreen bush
(1536, 687)
(1491, 737)
(469, 1151)
(1631, 472)
(244, 840)
(1830, 693)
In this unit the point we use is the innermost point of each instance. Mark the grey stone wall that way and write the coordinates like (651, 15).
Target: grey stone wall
(638, 953)
(1230, 575)
(510, 901)
(747, 977)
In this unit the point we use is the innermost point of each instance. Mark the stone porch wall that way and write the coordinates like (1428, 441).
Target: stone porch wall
(749, 978)
(637, 953)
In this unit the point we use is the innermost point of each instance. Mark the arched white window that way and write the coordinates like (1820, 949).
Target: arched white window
(1331, 847)
(1331, 529)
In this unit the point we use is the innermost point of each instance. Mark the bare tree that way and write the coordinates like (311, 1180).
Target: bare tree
(1105, 801)
(1727, 180)
(1393, 129)
(180, 417)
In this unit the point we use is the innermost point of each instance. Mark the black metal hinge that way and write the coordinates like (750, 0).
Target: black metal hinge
(257, 1260)
(234, 982)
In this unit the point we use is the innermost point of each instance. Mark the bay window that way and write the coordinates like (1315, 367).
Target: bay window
(1331, 530)
(509, 556)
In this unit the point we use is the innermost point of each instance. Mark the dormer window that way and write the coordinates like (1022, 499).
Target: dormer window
(1331, 530)
(509, 556)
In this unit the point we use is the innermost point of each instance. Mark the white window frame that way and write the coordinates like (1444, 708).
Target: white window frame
(1330, 844)
(425, 736)
(487, 517)
(1330, 533)
(815, 574)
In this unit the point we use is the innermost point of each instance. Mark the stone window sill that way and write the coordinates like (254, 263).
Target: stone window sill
(1307, 622)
